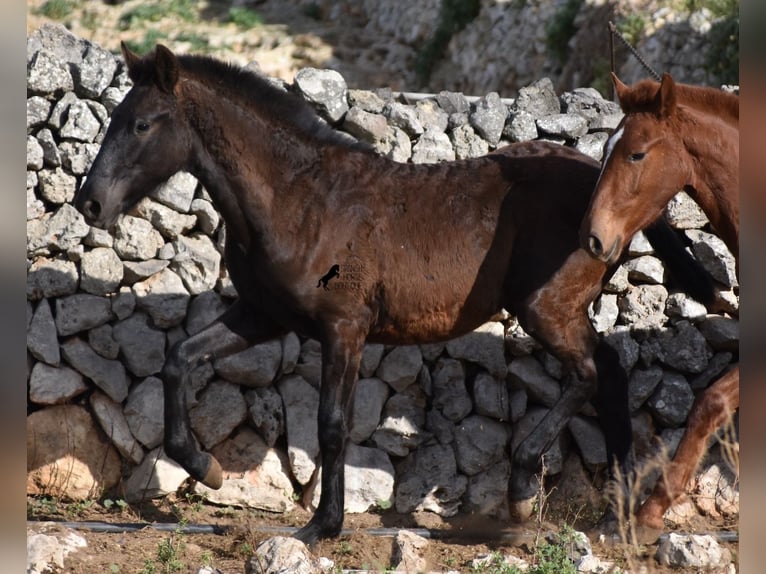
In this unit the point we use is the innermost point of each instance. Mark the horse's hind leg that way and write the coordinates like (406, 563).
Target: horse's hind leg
(710, 411)
(234, 331)
(341, 354)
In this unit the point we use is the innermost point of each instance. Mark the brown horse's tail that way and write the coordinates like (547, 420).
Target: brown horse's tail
(686, 272)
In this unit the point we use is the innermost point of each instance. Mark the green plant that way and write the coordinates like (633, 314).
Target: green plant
(632, 27)
(185, 10)
(722, 58)
(118, 505)
(244, 17)
(148, 42)
(169, 554)
(57, 9)
(78, 508)
(555, 557)
(246, 549)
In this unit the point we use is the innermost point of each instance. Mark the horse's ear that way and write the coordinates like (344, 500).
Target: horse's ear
(666, 96)
(131, 59)
(619, 88)
(165, 69)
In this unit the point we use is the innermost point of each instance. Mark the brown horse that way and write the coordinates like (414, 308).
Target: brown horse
(330, 240)
(672, 137)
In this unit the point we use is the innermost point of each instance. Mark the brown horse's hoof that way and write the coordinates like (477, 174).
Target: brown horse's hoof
(214, 475)
(521, 510)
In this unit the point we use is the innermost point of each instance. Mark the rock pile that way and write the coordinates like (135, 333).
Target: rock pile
(433, 425)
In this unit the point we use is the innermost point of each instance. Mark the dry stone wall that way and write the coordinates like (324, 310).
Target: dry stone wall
(433, 425)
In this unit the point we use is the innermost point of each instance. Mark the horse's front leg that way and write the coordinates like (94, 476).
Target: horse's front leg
(341, 353)
(238, 328)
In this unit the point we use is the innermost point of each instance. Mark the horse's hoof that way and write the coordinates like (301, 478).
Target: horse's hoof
(647, 535)
(214, 475)
(521, 510)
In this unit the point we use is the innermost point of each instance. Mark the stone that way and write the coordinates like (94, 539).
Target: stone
(208, 219)
(156, 476)
(643, 307)
(684, 213)
(404, 117)
(400, 367)
(568, 126)
(490, 397)
(369, 399)
(51, 154)
(291, 352)
(42, 340)
(254, 367)
(401, 424)
(714, 256)
(554, 455)
(164, 297)
(167, 221)
(531, 376)
(203, 310)
(266, 413)
(50, 385)
(682, 306)
(671, 401)
(136, 271)
(539, 99)
(688, 551)
(325, 89)
(301, 404)
(430, 114)
(487, 490)
(590, 441)
(66, 456)
(480, 442)
(46, 553)
(135, 238)
(100, 271)
(49, 278)
(95, 72)
(488, 117)
(432, 146)
(280, 554)
(38, 110)
(485, 346)
(197, 262)
(592, 144)
(721, 333)
(521, 127)
(177, 192)
(365, 126)
(372, 353)
(114, 424)
(467, 144)
(80, 124)
(450, 395)
(646, 269)
(428, 480)
(254, 475)
(144, 412)
(220, 409)
(108, 375)
(641, 385)
(80, 312)
(142, 345)
(408, 553)
(604, 312)
(34, 154)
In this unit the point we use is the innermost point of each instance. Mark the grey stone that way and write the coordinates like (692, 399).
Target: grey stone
(266, 413)
(714, 256)
(453, 102)
(142, 346)
(646, 269)
(301, 403)
(254, 367)
(430, 114)
(521, 127)
(590, 440)
(485, 346)
(123, 303)
(490, 397)
(203, 310)
(467, 144)
(671, 401)
(722, 333)
(480, 442)
(177, 192)
(167, 221)
(280, 554)
(640, 245)
(101, 340)
(310, 362)
(49, 385)
(164, 297)
(100, 271)
(538, 99)
(486, 491)
(197, 262)
(604, 312)
(408, 552)
(366, 100)
(136, 239)
(94, 74)
(402, 424)
(144, 412)
(136, 271)
(401, 366)
(641, 385)
(56, 185)
(108, 375)
(554, 455)
(450, 395)
(77, 157)
(592, 144)
(684, 213)
(405, 118)
(81, 124)
(692, 551)
(47, 278)
(428, 480)
(208, 218)
(291, 352)
(568, 126)
(488, 117)
(620, 339)
(369, 399)
(221, 408)
(531, 376)
(80, 312)
(255, 475)
(42, 340)
(46, 74)
(432, 147)
(51, 155)
(156, 476)
(372, 353)
(326, 89)
(682, 306)
(38, 110)
(34, 153)
(365, 126)
(643, 306)
(399, 146)
(684, 348)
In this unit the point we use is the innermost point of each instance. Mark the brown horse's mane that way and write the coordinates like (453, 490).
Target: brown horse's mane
(255, 92)
(641, 98)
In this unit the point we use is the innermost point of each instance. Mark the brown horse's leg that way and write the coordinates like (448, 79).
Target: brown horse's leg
(234, 331)
(710, 410)
(341, 355)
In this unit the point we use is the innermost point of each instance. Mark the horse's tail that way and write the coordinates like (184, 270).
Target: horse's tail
(686, 272)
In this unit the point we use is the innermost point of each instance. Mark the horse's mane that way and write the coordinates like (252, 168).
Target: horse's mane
(251, 90)
(641, 98)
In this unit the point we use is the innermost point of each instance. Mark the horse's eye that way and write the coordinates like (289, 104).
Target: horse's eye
(141, 127)
(638, 156)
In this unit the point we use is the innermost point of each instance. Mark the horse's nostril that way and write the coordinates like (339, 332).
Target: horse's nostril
(594, 244)
(92, 208)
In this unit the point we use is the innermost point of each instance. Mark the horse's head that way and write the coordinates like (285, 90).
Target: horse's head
(145, 144)
(643, 168)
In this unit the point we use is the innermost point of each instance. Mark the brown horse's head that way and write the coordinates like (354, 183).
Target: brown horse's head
(643, 168)
(145, 143)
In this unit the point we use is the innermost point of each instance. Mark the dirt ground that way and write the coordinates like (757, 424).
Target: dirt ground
(453, 543)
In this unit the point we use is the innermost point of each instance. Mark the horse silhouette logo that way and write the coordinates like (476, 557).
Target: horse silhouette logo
(331, 274)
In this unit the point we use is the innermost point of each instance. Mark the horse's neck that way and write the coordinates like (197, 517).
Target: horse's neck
(712, 142)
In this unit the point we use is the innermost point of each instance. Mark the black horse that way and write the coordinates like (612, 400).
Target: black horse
(436, 249)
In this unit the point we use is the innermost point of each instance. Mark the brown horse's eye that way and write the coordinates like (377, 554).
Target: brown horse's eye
(141, 127)
(636, 156)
